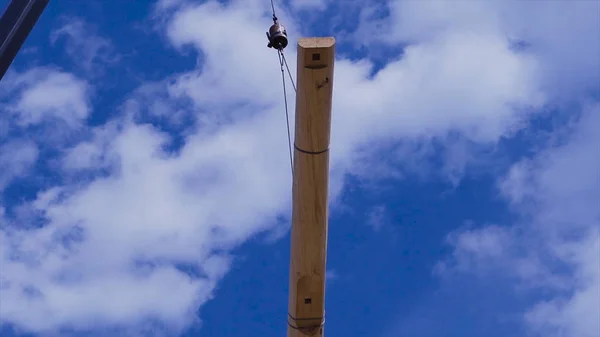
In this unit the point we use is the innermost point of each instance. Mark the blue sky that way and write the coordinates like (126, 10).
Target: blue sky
(146, 184)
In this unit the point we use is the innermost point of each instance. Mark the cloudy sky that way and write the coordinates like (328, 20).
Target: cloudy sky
(146, 185)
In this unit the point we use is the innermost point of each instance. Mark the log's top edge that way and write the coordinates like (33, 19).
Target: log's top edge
(316, 42)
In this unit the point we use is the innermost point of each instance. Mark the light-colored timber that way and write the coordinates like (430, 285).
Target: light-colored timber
(306, 308)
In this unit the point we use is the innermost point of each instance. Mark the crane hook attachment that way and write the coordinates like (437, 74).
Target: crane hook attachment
(277, 35)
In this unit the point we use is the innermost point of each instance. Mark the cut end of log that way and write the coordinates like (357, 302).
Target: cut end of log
(316, 42)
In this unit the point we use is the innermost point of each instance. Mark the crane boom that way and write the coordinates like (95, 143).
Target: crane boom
(16, 23)
(308, 256)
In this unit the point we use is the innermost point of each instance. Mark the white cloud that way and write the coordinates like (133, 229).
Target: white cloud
(154, 209)
(16, 159)
(44, 93)
(559, 192)
(93, 154)
(564, 35)
(225, 79)
(310, 4)
(376, 217)
(108, 247)
(89, 50)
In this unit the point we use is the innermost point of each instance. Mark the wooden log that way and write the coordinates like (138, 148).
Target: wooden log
(306, 308)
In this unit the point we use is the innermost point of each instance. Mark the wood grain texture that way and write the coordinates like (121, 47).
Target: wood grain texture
(310, 187)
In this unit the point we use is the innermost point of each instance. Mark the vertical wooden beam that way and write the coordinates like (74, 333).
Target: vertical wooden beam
(306, 308)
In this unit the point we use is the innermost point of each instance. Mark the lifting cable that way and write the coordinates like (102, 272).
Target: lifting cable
(277, 36)
(287, 115)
